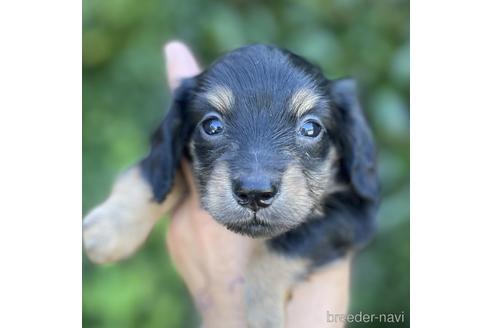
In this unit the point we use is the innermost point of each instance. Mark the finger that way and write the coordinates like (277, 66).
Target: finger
(186, 168)
(325, 290)
(180, 63)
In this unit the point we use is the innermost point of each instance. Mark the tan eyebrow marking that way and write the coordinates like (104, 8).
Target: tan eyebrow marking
(303, 100)
(221, 98)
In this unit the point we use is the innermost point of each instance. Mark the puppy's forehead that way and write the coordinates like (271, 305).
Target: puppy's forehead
(261, 77)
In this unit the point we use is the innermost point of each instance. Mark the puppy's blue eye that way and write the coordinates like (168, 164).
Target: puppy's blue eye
(213, 126)
(310, 129)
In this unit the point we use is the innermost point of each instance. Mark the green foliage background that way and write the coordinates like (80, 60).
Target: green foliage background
(125, 96)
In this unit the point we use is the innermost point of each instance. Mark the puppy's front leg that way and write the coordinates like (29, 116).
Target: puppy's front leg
(116, 228)
(270, 278)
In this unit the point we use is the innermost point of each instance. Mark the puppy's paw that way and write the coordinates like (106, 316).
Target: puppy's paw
(115, 230)
(102, 234)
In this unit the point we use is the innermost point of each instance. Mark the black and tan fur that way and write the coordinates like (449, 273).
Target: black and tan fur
(322, 191)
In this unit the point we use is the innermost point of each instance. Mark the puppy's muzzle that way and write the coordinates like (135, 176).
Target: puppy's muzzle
(254, 192)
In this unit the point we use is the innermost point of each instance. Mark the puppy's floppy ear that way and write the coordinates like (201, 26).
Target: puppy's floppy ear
(358, 150)
(169, 142)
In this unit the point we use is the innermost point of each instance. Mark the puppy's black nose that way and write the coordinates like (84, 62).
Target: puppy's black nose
(254, 192)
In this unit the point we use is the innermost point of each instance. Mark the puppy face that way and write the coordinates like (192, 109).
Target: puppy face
(261, 149)
(264, 130)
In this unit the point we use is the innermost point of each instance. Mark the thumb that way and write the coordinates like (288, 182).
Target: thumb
(180, 63)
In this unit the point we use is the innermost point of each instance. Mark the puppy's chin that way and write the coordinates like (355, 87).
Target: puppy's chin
(256, 228)
(246, 222)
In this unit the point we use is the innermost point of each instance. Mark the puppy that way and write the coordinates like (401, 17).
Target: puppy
(281, 154)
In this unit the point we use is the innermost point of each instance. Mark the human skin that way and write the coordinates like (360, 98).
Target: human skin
(212, 260)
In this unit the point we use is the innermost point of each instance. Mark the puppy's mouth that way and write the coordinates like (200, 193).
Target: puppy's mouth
(254, 227)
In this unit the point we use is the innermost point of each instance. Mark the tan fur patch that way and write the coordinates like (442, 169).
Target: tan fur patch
(221, 98)
(116, 228)
(270, 278)
(294, 199)
(219, 187)
(303, 100)
(324, 179)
